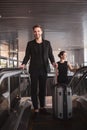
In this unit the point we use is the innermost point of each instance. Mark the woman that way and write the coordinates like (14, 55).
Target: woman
(63, 66)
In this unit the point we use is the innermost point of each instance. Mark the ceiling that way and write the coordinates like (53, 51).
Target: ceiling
(53, 15)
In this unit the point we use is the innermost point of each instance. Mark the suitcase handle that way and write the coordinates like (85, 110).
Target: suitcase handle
(56, 74)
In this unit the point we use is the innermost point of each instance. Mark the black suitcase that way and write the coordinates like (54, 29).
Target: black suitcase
(62, 101)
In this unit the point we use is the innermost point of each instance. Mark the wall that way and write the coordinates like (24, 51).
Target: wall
(23, 37)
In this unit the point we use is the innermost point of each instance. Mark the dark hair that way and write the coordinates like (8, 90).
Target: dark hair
(61, 53)
(36, 26)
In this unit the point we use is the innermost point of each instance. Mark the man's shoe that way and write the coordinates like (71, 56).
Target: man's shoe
(44, 111)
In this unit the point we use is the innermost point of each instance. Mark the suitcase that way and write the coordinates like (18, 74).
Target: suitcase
(62, 101)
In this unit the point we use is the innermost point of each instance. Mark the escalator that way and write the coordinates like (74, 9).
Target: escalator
(14, 112)
(79, 92)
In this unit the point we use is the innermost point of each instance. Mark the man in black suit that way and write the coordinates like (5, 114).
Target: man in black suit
(39, 52)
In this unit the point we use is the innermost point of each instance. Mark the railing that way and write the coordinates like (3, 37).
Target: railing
(79, 82)
(9, 87)
(13, 83)
(8, 73)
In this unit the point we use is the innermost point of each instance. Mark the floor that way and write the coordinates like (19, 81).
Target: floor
(50, 122)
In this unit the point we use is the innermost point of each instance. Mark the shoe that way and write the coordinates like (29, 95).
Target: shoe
(44, 111)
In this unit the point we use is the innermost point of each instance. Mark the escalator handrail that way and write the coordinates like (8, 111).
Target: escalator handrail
(77, 84)
(80, 81)
(80, 69)
(9, 73)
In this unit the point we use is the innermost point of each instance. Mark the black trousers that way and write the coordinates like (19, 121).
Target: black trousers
(38, 88)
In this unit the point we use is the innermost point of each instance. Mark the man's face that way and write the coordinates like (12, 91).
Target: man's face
(37, 32)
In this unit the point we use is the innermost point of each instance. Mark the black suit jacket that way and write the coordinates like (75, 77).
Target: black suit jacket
(31, 54)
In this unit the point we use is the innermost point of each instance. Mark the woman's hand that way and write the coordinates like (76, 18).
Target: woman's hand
(22, 66)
